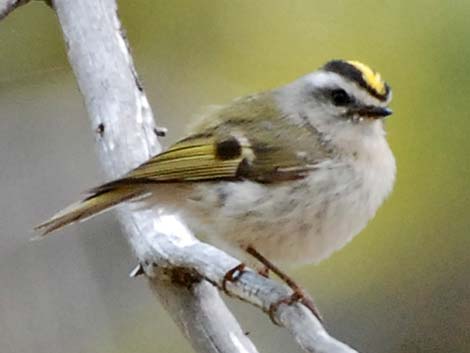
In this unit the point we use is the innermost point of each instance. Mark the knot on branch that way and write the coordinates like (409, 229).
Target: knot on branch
(183, 276)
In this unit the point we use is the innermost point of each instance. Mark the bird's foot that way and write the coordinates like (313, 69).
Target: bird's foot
(299, 296)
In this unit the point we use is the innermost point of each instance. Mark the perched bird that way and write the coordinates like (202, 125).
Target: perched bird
(289, 175)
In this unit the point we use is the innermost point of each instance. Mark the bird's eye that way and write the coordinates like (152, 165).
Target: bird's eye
(340, 97)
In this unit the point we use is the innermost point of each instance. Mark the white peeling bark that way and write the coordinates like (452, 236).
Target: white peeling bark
(183, 272)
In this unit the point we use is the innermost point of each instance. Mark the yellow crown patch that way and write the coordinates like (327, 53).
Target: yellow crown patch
(372, 78)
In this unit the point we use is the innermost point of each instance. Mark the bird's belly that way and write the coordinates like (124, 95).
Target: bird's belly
(297, 222)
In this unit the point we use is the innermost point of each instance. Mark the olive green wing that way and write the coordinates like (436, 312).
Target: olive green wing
(220, 156)
(196, 158)
(211, 158)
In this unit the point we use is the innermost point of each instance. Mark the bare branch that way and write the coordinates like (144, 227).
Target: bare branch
(178, 265)
(125, 131)
(212, 264)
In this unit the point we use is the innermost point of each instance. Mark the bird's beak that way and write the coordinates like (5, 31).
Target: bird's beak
(372, 112)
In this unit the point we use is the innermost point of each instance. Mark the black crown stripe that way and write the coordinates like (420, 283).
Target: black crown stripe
(350, 72)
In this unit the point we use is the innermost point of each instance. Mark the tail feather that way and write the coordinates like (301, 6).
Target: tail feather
(102, 198)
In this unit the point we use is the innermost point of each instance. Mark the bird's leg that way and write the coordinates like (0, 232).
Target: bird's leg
(299, 294)
(232, 275)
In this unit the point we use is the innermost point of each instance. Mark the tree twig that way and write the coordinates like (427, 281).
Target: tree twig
(183, 272)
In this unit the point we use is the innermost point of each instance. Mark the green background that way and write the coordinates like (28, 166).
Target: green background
(401, 286)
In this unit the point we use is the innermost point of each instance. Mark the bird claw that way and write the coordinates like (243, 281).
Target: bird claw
(232, 275)
(307, 301)
(297, 297)
(264, 272)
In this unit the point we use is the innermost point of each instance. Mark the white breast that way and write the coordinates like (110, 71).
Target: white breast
(297, 222)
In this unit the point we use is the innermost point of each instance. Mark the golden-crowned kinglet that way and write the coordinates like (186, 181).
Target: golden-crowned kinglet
(294, 172)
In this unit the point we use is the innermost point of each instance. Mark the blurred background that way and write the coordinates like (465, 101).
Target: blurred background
(401, 286)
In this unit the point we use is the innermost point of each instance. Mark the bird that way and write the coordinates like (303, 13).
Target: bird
(288, 175)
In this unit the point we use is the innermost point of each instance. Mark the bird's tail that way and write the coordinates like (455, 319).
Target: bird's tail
(101, 199)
